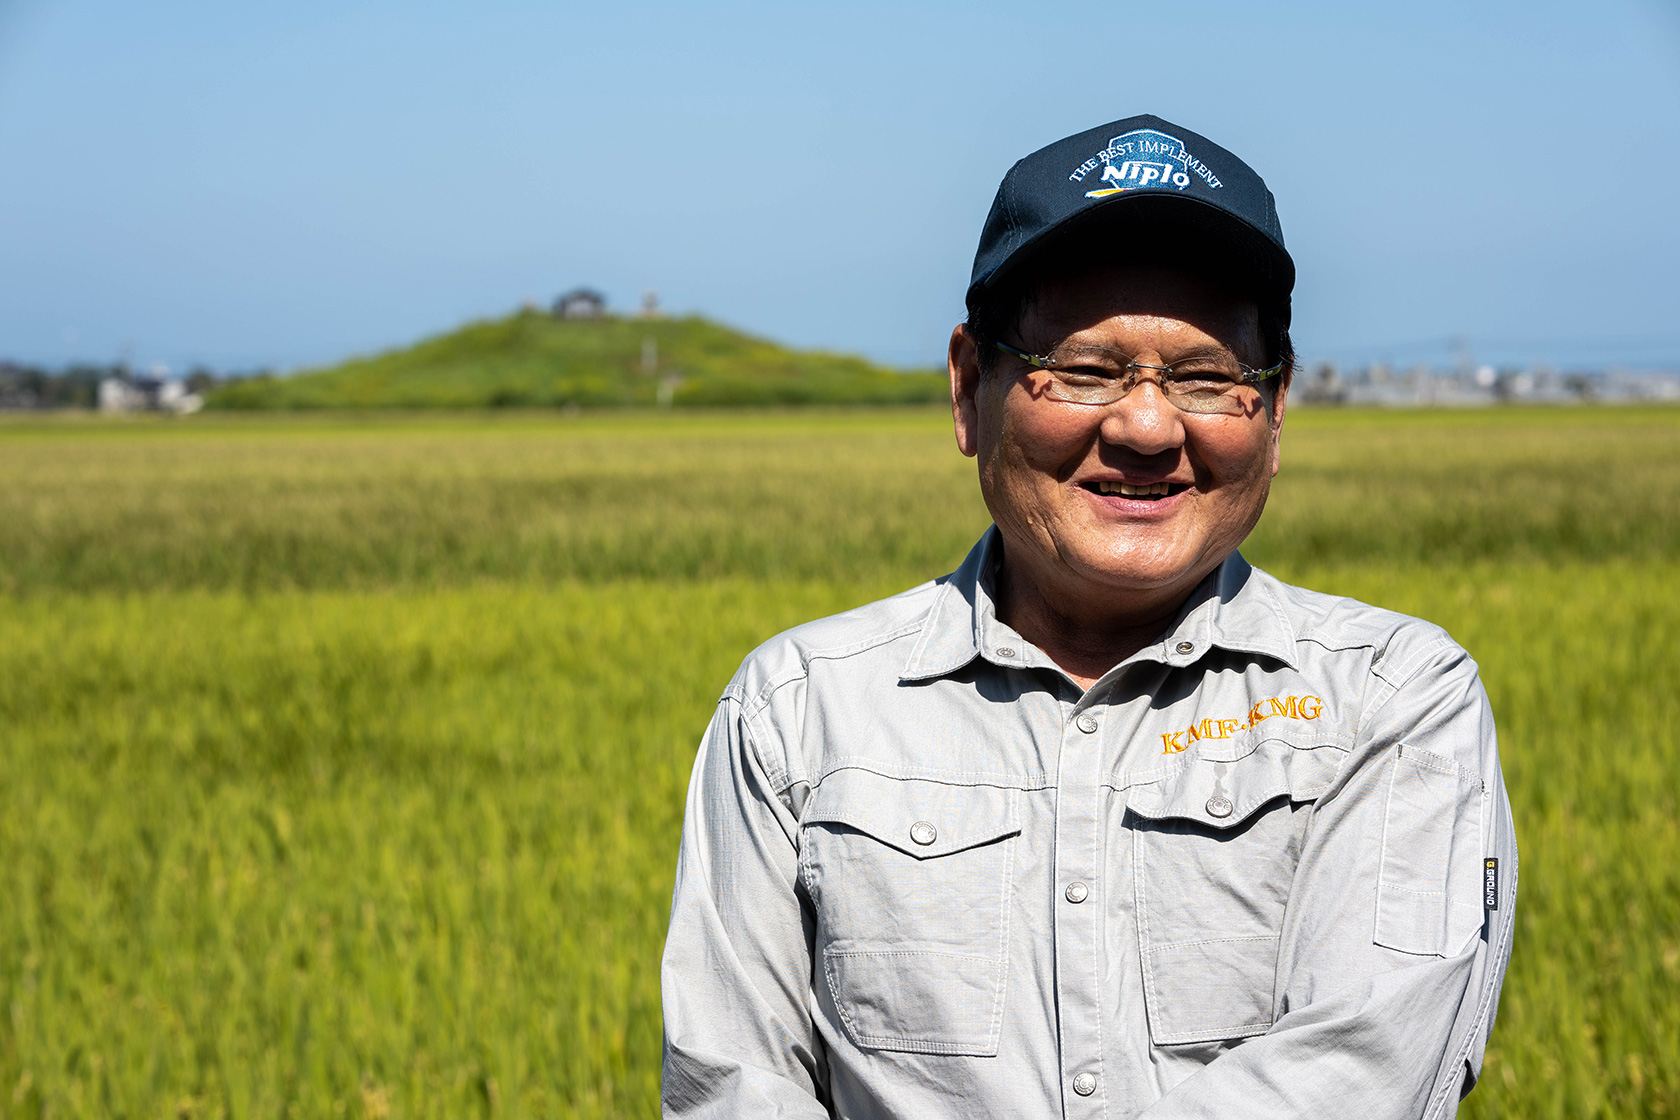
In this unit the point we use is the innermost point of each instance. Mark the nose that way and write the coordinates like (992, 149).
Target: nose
(1143, 421)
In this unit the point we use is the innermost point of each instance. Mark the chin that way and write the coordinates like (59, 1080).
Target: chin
(1142, 577)
(1150, 569)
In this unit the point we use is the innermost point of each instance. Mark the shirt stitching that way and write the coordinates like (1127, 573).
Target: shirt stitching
(864, 645)
(914, 1045)
(1211, 941)
(1490, 987)
(936, 774)
(775, 771)
(1098, 941)
(1140, 904)
(1401, 674)
(850, 953)
(995, 1027)
(914, 667)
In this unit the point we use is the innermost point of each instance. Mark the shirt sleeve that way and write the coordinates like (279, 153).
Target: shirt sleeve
(739, 1040)
(1398, 926)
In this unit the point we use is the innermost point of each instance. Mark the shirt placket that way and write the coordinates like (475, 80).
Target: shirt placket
(1078, 897)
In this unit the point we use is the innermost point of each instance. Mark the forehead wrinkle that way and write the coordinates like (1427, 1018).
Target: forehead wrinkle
(1156, 334)
(1090, 305)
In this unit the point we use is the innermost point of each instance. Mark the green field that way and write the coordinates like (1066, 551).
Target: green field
(344, 756)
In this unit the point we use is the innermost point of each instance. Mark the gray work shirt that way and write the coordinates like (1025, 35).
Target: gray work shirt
(1249, 872)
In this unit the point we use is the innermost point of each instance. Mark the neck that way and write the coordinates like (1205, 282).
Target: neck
(1087, 642)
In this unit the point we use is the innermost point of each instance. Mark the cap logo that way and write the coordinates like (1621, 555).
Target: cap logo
(1141, 158)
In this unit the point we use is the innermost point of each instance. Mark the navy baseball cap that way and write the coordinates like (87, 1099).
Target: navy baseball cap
(1138, 180)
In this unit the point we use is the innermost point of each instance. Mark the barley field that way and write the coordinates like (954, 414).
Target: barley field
(342, 758)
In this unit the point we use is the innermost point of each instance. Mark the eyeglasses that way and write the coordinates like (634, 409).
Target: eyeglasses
(1205, 384)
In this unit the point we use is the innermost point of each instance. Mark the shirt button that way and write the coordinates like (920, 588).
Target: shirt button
(1186, 647)
(1077, 892)
(1085, 1084)
(923, 833)
(1087, 723)
(1005, 651)
(1219, 807)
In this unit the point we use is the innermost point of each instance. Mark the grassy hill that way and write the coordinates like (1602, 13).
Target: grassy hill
(531, 359)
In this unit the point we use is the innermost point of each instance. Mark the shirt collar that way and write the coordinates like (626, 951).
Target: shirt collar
(1235, 608)
(962, 608)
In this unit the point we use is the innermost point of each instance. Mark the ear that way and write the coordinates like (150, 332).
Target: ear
(1279, 406)
(963, 361)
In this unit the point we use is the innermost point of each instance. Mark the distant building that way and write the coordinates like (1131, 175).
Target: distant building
(147, 394)
(1322, 386)
(580, 303)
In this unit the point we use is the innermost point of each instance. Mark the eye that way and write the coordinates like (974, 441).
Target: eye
(1208, 384)
(1205, 374)
(1084, 376)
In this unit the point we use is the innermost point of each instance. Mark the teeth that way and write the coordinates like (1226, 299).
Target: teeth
(1128, 490)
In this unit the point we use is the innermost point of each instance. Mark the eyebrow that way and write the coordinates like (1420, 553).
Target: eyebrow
(1210, 350)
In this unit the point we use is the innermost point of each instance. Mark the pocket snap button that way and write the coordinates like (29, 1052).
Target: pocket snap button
(1219, 806)
(1077, 892)
(923, 833)
(1186, 647)
(1085, 1084)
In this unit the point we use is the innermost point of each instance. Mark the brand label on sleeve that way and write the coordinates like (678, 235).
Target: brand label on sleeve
(1490, 884)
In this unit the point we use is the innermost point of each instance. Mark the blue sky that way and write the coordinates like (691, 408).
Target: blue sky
(287, 184)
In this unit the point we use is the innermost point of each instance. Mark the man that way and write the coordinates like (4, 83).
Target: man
(1107, 823)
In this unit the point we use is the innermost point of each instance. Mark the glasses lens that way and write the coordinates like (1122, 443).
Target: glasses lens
(1204, 401)
(1086, 375)
(1083, 388)
(1090, 375)
(1207, 384)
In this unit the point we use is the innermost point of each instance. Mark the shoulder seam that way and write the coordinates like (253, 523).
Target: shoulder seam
(777, 774)
(756, 702)
(1397, 677)
(760, 698)
(1316, 637)
(835, 653)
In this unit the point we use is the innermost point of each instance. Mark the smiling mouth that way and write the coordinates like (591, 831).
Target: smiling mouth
(1148, 492)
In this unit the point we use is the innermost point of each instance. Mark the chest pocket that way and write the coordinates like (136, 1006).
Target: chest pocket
(911, 880)
(1215, 846)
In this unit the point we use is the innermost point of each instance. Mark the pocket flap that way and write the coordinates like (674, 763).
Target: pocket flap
(1223, 786)
(919, 817)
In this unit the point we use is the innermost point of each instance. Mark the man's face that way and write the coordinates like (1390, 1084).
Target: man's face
(1051, 470)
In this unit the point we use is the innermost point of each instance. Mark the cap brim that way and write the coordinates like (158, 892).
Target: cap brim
(1143, 227)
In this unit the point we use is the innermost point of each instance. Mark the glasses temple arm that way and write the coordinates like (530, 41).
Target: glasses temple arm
(1041, 361)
